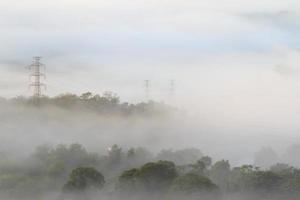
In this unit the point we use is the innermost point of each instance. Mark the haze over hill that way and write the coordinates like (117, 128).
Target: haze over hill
(218, 117)
(99, 121)
(235, 65)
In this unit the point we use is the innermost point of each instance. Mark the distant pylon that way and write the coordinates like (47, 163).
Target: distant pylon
(36, 69)
(172, 88)
(147, 89)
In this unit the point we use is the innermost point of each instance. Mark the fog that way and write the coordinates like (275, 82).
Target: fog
(28, 127)
(178, 135)
(227, 129)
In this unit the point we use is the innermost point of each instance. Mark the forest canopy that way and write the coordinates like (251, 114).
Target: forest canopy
(108, 103)
(73, 172)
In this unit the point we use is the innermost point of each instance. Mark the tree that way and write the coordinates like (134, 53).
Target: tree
(281, 168)
(198, 168)
(83, 178)
(264, 181)
(56, 169)
(181, 157)
(86, 96)
(207, 161)
(107, 103)
(153, 177)
(251, 178)
(72, 156)
(115, 156)
(239, 177)
(138, 156)
(191, 183)
(128, 181)
(111, 97)
(194, 187)
(220, 173)
(158, 176)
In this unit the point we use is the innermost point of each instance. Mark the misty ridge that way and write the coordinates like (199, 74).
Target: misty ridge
(93, 146)
(206, 104)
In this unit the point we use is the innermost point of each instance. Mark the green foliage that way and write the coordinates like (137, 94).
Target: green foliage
(191, 183)
(207, 161)
(129, 175)
(264, 180)
(151, 176)
(199, 168)
(252, 179)
(115, 154)
(56, 169)
(281, 168)
(220, 173)
(9, 181)
(48, 168)
(158, 175)
(138, 156)
(181, 157)
(115, 158)
(83, 178)
(128, 181)
(106, 104)
(58, 161)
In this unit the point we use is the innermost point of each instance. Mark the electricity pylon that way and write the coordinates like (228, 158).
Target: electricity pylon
(35, 76)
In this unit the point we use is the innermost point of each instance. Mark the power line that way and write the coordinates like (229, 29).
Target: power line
(35, 76)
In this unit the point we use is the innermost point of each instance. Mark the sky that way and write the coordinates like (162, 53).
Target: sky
(241, 56)
(236, 64)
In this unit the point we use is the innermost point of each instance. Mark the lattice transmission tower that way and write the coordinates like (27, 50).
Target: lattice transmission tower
(172, 88)
(37, 72)
(147, 89)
